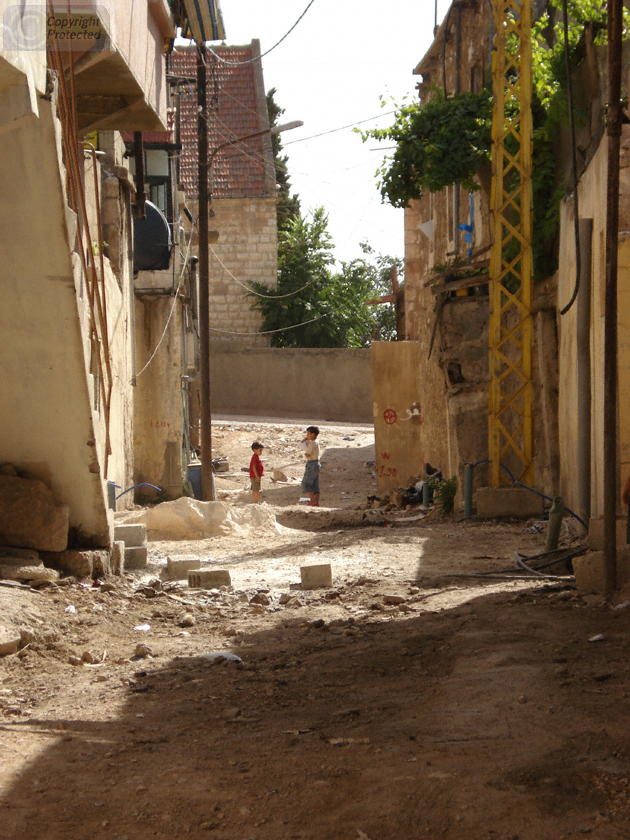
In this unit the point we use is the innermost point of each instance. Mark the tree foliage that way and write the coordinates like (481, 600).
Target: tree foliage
(315, 304)
(440, 143)
(288, 205)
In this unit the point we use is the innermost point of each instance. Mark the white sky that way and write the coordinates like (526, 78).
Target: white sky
(330, 72)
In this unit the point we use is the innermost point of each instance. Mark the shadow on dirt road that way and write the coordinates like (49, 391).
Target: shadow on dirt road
(497, 719)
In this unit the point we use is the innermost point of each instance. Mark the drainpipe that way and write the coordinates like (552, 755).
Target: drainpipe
(132, 287)
(613, 130)
(458, 26)
(583, 336)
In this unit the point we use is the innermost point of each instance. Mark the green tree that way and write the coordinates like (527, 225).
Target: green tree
(315, 304)
(288, 205)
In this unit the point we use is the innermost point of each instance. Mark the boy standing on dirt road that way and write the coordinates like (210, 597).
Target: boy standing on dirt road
(256, 470)
(310, 481)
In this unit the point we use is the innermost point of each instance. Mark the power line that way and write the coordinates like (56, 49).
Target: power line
(343, 127)
(258, 57)
(258, 294)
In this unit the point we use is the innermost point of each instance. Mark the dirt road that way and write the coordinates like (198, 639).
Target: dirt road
(415, 698)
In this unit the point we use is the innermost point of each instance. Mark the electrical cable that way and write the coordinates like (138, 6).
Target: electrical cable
(576, 219)
(341, 128)
(251, 60)
(250, 290)
(531, 489)
(268, 332)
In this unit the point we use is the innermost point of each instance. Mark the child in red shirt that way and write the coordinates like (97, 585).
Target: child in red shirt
(256, 470)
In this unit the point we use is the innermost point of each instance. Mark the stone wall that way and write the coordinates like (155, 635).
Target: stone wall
(305, 383)
(246, 251)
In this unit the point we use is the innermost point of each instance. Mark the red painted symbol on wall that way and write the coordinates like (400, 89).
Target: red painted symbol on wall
(390, 416)
(386, 456)
(387, 471)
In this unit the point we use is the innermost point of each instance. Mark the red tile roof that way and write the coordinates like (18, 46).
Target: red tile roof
(234, 112)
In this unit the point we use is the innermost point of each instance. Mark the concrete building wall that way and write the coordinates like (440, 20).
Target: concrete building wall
(246, 251)
(310, 384)
(399, 412)
(592, 204)
(49, 425)
(158, 428)
(139, 32)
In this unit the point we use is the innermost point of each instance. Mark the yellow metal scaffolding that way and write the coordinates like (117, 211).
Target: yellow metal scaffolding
(510, 333)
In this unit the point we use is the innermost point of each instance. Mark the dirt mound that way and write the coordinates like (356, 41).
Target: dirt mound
(189, 519)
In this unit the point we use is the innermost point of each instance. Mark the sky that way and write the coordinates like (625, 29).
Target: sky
(331, 71)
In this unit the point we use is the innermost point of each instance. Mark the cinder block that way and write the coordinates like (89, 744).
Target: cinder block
(314, 577)
(135, 557)
(209, 578)
(117, 559)
(595, 538)
(589, 570)
(132, 535)
(178, 569)
(494, 502)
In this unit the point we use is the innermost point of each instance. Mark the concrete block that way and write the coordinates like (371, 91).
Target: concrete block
(117, 558)
(209, 578)
(132, 535)
(589, 570)
(314, 577)
(507, 501)
(178, 569)
(135, 557)
(595, 539)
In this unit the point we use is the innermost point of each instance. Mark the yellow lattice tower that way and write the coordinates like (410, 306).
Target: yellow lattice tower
(510, 334)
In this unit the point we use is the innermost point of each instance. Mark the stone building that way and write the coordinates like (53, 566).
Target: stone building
(68, 311)
(437, 381)
(447, 318)
(242, 181)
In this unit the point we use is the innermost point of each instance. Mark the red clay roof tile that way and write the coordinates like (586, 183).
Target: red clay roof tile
(233, 111)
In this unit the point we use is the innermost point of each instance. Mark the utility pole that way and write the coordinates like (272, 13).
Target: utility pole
(613, 130)
(205, 432)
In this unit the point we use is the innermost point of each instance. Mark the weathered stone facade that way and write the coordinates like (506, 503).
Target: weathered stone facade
(450, 324)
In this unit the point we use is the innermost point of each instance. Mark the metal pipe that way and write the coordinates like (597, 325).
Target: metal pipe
(555, 523)
(131, 292)
(468, 490)
(611, 483)
(140, 210)
(583, 337)
(458, 30)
